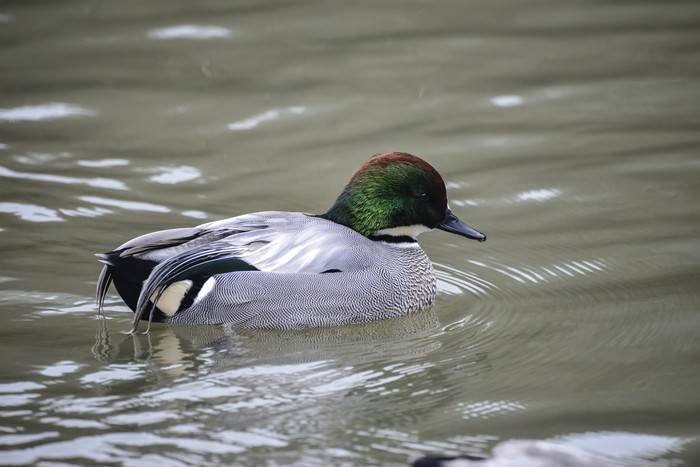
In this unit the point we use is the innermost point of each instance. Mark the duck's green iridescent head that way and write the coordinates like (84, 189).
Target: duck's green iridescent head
(396, 194)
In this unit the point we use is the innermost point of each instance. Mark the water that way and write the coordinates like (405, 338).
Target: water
(567, 132)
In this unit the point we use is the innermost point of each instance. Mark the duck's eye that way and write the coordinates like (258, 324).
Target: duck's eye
(424, 196)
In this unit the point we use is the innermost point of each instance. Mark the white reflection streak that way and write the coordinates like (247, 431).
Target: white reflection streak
(252, 122)
(35, 158)
(502, 271)
(172, 175)
(455, 278)
(563, 270)
(16, 400)
(551, 273)
(60, 368)
(94, 182)
(85, 212)
(515, 278)
(140, 419)
(74, 423)
(20, 386)
(115, 373)
(128, 205)
(106, 448)
(473, 277)
(507, 101)
(581, 266)
(445, 286)
(344, 383)
(526, 276)
(104, 163)
(195, 214)
(195, 392)
(483, 409)
(50, 111)
(189, 31)
(529, 273)
(534, 273)
(13, 440)
(223, 386)
(31, 212)
(575, 269)
(587, 266)
(251, 439)
(538, 195)
(623, 445)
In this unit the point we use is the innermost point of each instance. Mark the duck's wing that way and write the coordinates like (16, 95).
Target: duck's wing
(288, 242)
(269, 241)
(136, 258)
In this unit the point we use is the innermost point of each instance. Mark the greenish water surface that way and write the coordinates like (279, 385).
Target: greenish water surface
(568, 132)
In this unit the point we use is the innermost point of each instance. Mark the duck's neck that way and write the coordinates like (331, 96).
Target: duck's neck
(373, 203)
(353, 211)
(370, 222)
(364, 205)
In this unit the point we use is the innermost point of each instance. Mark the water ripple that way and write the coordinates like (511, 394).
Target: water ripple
(113, 374)
(483, 282)
(195, 214)
(74, 423)
(50, 111)
(252, 122)
(14, 440)
(20, 386)
(410, 442)
(36, 158)
(61, 368)
(31, 212)
(507, 101)
(103, 163)
(97, 405)
(189, 31)
(85, 212)
(128, 205)
(538, 274)
(172, 175)
(114, 448)
(487, 409)
(623, 445)
(540, 195)
(108, 183)
(455, 281)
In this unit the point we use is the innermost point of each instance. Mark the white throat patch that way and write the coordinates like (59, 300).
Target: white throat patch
(406, 231)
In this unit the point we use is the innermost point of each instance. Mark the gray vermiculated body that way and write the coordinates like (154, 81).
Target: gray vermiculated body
(401, 281)
(291, 290)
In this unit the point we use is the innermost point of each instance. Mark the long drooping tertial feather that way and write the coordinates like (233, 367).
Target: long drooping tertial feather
(103, 282)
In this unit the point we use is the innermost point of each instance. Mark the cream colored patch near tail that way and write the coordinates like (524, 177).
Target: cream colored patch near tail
(171, 299)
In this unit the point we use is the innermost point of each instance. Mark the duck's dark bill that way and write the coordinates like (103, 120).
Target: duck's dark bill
(454, 225)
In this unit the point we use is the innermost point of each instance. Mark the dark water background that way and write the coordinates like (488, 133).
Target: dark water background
(569, 132)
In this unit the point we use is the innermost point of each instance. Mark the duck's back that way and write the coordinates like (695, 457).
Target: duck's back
(294, 242)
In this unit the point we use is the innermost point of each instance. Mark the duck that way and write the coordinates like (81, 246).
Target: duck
(359, 261)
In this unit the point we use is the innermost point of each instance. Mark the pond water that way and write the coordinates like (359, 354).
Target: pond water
(568, 132)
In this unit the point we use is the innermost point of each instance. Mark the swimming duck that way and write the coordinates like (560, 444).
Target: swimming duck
(358, 262)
